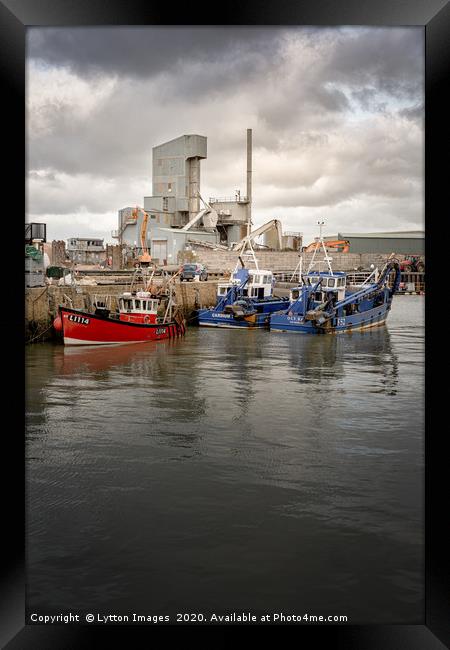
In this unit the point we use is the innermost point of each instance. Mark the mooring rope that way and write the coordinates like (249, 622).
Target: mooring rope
(39, 335)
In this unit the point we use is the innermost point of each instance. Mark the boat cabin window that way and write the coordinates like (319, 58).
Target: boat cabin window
(341, 282)
(331, 282)
(222, 291)
(127, 303)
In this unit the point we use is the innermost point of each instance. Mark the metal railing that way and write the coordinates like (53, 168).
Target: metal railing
(128, 221)
(412, 283)
(357, 277)
(409, 283)
(228, 199)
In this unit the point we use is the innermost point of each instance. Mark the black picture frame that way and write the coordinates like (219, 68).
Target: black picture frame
(15, 17)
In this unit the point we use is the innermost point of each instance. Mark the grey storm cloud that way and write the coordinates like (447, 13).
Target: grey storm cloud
(337, 113)
(144, 51)
(391, 60)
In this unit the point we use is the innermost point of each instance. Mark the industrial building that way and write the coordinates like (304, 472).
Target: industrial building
(291, 241)
(400, 242)
(86, 250)
(178, 217)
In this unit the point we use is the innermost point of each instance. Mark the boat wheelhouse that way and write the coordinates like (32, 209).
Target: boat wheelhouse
(323, 303)
(138, 307)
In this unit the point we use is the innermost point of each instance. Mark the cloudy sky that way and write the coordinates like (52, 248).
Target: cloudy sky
(337, 118)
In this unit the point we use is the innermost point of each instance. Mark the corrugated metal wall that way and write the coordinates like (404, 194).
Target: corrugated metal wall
(387, 245)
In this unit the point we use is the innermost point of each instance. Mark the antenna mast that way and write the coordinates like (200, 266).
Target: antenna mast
(320, 243)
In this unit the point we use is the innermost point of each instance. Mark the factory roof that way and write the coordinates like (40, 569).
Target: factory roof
(180, 137)
(396, 234)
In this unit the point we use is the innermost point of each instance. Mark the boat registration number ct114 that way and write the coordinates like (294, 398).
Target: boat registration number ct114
(79, 319)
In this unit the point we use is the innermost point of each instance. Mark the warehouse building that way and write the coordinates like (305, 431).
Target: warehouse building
(400, 242)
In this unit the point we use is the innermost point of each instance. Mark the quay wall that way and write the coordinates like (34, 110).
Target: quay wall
(41, 303)
(285, 260)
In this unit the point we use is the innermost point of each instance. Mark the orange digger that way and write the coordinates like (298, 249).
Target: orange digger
(340, 245)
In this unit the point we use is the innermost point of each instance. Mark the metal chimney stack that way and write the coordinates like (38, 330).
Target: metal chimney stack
(249, 179)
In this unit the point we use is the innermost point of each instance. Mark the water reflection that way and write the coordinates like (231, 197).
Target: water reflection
(315, 359)
(143, 359)
(143, 368)
(243, 360)
(326, 360)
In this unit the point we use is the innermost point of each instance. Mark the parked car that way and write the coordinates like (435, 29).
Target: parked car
(192, 272)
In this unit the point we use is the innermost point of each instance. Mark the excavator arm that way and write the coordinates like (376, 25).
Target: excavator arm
(143, 233)
(145, 257)
(343, 244)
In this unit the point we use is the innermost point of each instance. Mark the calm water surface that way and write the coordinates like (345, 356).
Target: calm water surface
(230, 471)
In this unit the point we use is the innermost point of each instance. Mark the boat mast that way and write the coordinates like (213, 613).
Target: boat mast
(320, 243)
(252, 253)
(248, 255)
(168, 312)
(299, 267)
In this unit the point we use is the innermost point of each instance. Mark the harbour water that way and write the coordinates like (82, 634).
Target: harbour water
(230, 471)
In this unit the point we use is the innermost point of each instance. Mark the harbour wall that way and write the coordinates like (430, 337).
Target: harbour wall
(41, 303)
(284, 260)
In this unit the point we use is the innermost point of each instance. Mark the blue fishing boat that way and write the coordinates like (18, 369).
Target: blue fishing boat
(323, 302)
(246, 301)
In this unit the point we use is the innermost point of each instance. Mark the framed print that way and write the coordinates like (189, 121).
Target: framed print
(274, 170)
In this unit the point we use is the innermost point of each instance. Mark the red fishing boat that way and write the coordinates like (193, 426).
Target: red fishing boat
(141, 316)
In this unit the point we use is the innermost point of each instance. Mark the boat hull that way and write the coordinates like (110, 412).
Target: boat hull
(375, 317)
(210, 318)
(260, 319)
(84, 328)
